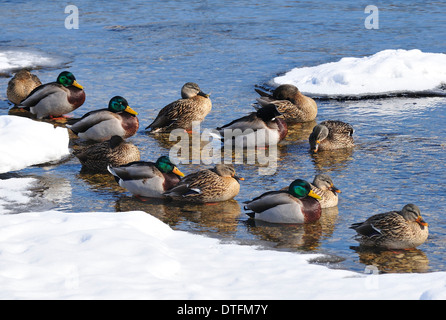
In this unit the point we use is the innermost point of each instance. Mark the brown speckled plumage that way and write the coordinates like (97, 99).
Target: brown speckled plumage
(194, 106)
(403, 229)
(294, 106)
(323, 186)
(115, 152)
(21, 85)
(209, 185)
(331, 135)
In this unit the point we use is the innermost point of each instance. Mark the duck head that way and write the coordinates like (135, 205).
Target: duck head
(412, 213)
(268, 113)
(67, 79)
(320, 132)
(300, 189)
(166, 166)
(119, 104)
(191, 89)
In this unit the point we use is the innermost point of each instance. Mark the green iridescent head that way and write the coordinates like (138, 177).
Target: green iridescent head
(300, 189)
(119, 104)
(67, 79)
(166, 166)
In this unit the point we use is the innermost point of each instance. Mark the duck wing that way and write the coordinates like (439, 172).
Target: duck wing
(41, 92)
(169, 114)
(137, 170)
(92, 118)
(269, 200)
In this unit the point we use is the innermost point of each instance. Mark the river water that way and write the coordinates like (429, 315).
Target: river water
(146, 50)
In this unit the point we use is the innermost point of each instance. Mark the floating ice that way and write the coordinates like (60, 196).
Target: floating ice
(386, 72)
(13, 59)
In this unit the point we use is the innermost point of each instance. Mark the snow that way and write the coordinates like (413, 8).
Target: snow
(25, 142)
(388, 71)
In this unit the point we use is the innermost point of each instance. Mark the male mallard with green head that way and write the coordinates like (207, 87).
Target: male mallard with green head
(147, 179)
(247, 131)
(194, 105)
(55, 99)
(100, 125)
(210, 185)
(294, 106)
(298, 204)
(21, 85)
(331, 135)
(403, 229)
(114, 152)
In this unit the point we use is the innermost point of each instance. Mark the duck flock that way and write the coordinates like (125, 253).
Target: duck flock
(301, 202)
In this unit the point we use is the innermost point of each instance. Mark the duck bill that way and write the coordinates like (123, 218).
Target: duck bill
(421, 222)
(334, 189)
(77, 85)
(239, 178)
(201, 93)
(314, 195)
(177, 172)
(131, 111)
(316, 146)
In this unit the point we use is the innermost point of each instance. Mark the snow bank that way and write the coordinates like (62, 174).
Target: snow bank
(388, 71)
(133, 255)
(25, 142)
(17, 58)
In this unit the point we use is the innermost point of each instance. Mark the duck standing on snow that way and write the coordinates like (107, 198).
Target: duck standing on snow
(100, 125)
(323, 186)
(210, 185)
(248, 129)
(147, 179)
(55, 99)
(403, 229)
(298, 204)
(115, 152)
(194, 105)
(294, 106)
(21, 85)
(331, 135)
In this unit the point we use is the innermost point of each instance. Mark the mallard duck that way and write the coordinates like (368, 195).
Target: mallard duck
(298, 204)
(21, 85)
(210, 185)
(403, 229)
(114, 152)
(260, 128)
(147, 179)
(100, 125)
(55, 99)
(294, 106)
(330, 135)
(194, 106)
(323, 186)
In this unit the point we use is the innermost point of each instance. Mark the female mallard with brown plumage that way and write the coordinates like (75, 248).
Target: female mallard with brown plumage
(21, 85)
(147, 179)
(403, 229)
(55, 99)
(194, 105)
(323, 186)
(100, 125)
(210, 185)
(114, 152)
(298, 204)
(294, 106)
(331, 135)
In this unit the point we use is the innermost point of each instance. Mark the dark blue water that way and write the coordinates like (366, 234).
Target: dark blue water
(146, 50)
